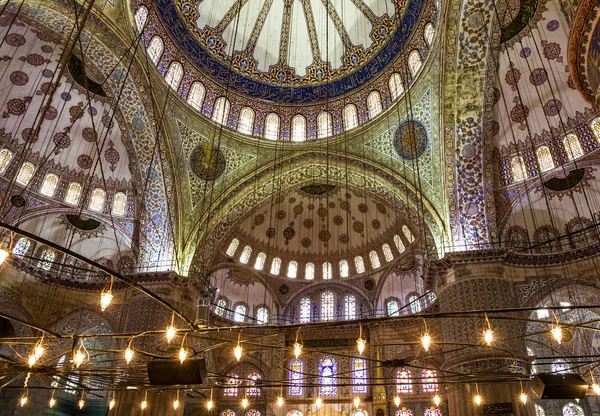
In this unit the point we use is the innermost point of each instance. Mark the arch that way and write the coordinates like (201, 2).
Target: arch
(49, 185)
(73, 193)
(25, 173)
(359, 376)
(327, 306)
(119, 204)
(429, 380)
(97, 200)
(403, 381)
(221, 110)
(399, 244)
(233, 382)
(246, 121)
(253, 380)
(544, 158)
(295, 377)
(327, 271)
(432, 411)
(415, 304)
(404, 411)
(387, 252)
(245, 256)
(429, 33)
(21, 247)
(539, 410)
(298, 128)
(259, 264)
(232, 247)
(396, 86)
(196, 95)
(262, 316)
(220, 308)
(228, 412)
(240, 313)
(374, 258)
(292, 269)
(305, 311)
(517, 166)
(393, 309)
(350, 307)
(344, 268)
(359, 412)
(275, 266)
(359, 263)
(174, 75)
(414, 62)
(572, 409)
(572, 146)
(141, 17)
(374, 104)
(309, 271)
(5, 158)
(294, 412)
(324, 125)
(272, 126)
(327, 371)
(409, 236)
(350, 117)
(155, 49)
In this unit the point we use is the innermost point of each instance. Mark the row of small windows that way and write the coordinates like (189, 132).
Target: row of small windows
(414, 302)
(73, 194)
(327, 267)
(240, 312)
(47, 256)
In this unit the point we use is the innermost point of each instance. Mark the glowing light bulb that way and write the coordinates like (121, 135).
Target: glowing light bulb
(3, 255)
(32, 360)
(175, 404)
(557, 333)
(209, 404)
(523, 398)
(297, 349)
(81, 403)
(488, 336)
(52, 402)
(128, 355)
(39, 351)
(397, 401)
(79, 358)
(426, 341)
(437, 400)
(105, 299)
(319, 402)
(361, 343)
(237, 352)
(280, 401)
(170, 333)
(182, 354)
(477, 399)
(245, 403)
(112, 404)
(596, 388)
(144, 404)
(356, 402)
(23, 401)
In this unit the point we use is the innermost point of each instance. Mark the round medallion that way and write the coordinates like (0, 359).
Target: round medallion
(343, 238)
(376, 224)
(298, 209)
(289, 233)
(19, 78)
(284, 289)
(17, 201)
(207, 162)
(308, 223)
(363, 208)
(306, 242)
(358, 226)
(338, 220)
(280, 215)
(410, 140)
(552, 107)
(538, 76)
(259, 219)
(271, 232)
(552, 25)
(369, 284)
(84, 161)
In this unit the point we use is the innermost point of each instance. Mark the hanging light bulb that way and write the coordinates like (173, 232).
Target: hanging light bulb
(297, 349)
(112, 404)
(81, 355)
(105, 299)
(523, 398)
(280, 401)
(319, 402)
(397, 401)
(361, 343)
(52, 402)
(128, 355)
(244, 402)
(477, 399)
(31, 360)
(171, 331)
(437, 400)
(596, 389)
(175, 404)
(39, 349)
(209, 404)
(237, 351)
(557, 333)
(488, 336)
(144, 404)
(81, 403)
(357, 402)
(3, 255)
(23, 400)
(182, 354)
(426, 341)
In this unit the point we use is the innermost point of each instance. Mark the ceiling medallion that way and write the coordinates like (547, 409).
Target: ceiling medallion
(410, 140)
(318, 189)
(207, 162)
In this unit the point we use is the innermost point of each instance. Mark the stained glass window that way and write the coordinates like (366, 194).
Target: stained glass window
(174, 75)
(404, 411)
(350, 117)
(374, 257)
(415, 305)
(374, 104)
(305, 311)
(596, 127)
(396, 86)
(262, 316)
(560, 367)
(228, 412)
(240, 313)
(196, 95)
(572, 147)
(544, 158)
(324, 125)
(327, 371)
(272, 126)
(430, 384)
(432, 411)
(232, 382)
(232, 247)
(327, 271)
(403, 381)
(294, 413)
(298, 128)
(245, 256)
(431, 296)
(21, 248)
(572, 409)
(392, 308)
(296, 369)
(292, 270)
(387, 252)
(260, 261)
(359, 412)
(220, 309)
(73, 193)
(141, 16)
(119, 204)
(414, 62)
(25, 173)
(399, 244)
(5, 158)
(359, 264)
(155, 49)
(517, 166)
(221, 111)
(359, 375)
(253, 380)
(252, 412)
(49, 185)
(344, 268)
(46, 260)
(246, 121)
(275, 266)
(429, 33)
(350, 307)
(327, 306)
(408, 234)
(309, 271)
(539, 410)
(97, 200)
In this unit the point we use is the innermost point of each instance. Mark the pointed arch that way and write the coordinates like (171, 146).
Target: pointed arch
(73, 193)
(25, 174)
(414, 62)
(5, 158)
(298, 128)
(295, 377)
(155, 49)
(572, 147)
(517, 166)
(141, 17)
(327, 372)
(97, 200)
(350, 117)
(246, 121)
(327, 306)
(221, 110)
(374, 104)
(396, 86)
(324, 125)
(403, 381)
(119, 204)
(544, 158)
(429, 33)
(272, 126)
(49, 185)
(196, 95)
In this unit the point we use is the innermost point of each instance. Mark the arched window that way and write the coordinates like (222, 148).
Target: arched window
(327, 372)
(246, 121)
(359, 264)
(517, 166)
(21, 248)
(403, 381)
(262, 316)
(196, 95)
(309, 271)
(155, 49)
(374, 104)
(298, 128)
(260, 261)
(228, 412)
(73, 193)
(572, 147)
(292, 270)
(408, 234)
(399, 244)
(296, 369)
(327, 271)
(272, 126)
(174, 75)
(324, 125)
(46, 260)
(350, 308)
(431, 296)
(572, 409)
(432, 411)
(327, 306)
(141, 16)
(387, 252)
(305, 311)
(392, 308)
(359, 376)
(429, 33)
(344, 268)
(414, 62)
(252, 412)
(97, 200)
(232, 383)
(359, 412)
(404, 411)
(430, 384)
(221, 111)
(396, 86)
(119, 204)
(220, 309)
(25, 173)
(544, 158)
(5, 158)
(539, 410)
(374, 257)
(275, 266)
(240, 313)
(49, 185)
(253, 380)
(245, 256)
(560, 367)
(232, 247)
(294, 413)
(596, 127)
(350, 117)
(415, 305)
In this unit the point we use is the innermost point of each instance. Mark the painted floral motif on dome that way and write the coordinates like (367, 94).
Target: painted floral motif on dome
(207, 162)
(61, 141)
(338, 220)
(306, 242)
(344, 238)
(16, 107)
(322, 212)
(51, 113)
(271, 232)
(519, 113)
(289, 232)
(552, 51)
(298, 209)
(358, 226)
(308, 223)
(363, 208)
(89, 135)
(34, 59)
(259, 219)
(376, 224)
(28, 136)
(538, 76)
(324, 235)
(14, 39)
(240, 278)
(410, 140)
(525, 53)
(552, 107)
(19, 78)
(84, 161)
(513, 76)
